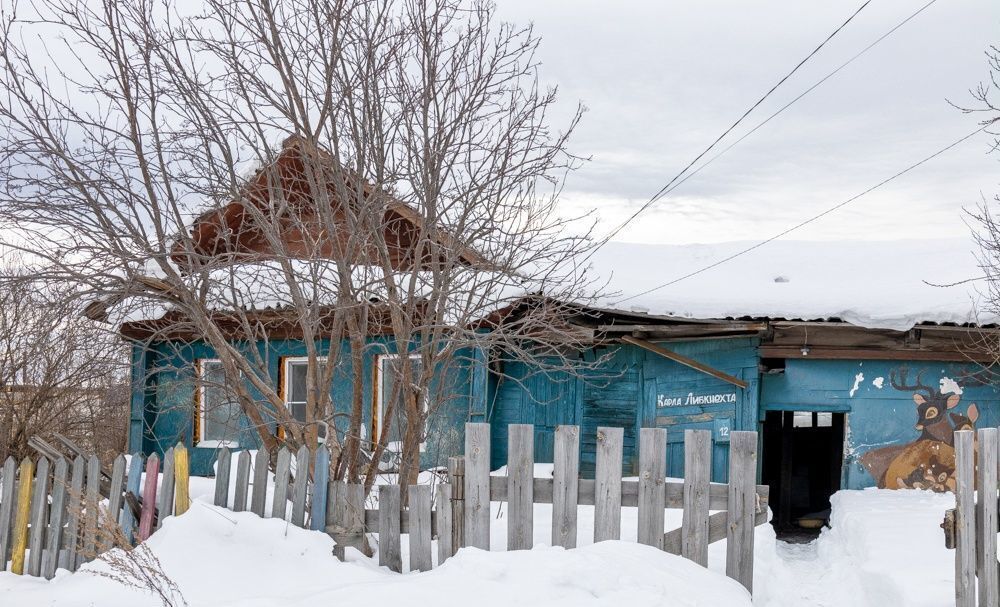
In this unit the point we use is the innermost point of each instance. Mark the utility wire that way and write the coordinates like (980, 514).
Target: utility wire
(811, 219)
(666, 191)
(663, 190)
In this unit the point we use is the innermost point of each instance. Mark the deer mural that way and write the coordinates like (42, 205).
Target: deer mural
(928, 462)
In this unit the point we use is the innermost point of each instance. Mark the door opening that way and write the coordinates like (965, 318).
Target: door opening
(803, 455)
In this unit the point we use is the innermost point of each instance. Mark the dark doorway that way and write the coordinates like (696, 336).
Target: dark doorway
(803, 454)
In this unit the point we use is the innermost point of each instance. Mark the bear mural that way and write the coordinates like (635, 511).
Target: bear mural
(928, 462)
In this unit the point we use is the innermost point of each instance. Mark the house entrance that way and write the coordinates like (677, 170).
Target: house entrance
(803, 454)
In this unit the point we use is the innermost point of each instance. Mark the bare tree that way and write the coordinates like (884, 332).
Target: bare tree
(359, 176)
(59, 372)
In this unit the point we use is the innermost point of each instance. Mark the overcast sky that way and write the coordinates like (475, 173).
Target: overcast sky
(663, 79)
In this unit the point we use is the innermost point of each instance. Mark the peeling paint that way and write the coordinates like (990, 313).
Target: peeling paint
(860, 377)
(878, 382)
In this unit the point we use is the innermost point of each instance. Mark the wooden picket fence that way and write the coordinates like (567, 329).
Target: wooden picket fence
(50, 514)
(971, 528)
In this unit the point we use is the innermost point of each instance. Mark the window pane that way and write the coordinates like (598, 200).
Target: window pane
(824, 419)
(297, 379)
(221, 413)
(391, 370)
(802, 419)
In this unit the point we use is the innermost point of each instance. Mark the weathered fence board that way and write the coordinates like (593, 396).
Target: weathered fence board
(565, 486)
(282, 469)
(608, 484)
(242, 481)
(965, 561)
(420, 527)
(986, 519)
(182, 470)
(520, 485)
(261, 463)
(456, 478)
(389, 553)
(132, 486)
(149, 498)
(57, 514)
(697, 474)
(652, 475)
(742, 507)
(165, 501)
(7, 493)
(443, 509)
(39, 513)
(75, 507)
(22, 507)
(115, 490)
(300, 486)
(477, 486)
(222, 467)
(321, 483)
(92, 508)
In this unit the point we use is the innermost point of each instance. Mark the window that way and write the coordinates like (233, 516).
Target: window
(296, 389)
(218, 413)
(387, 373)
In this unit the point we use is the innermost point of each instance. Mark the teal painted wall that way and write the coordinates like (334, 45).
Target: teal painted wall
(879, 417)
(163, 405)
(633, 388)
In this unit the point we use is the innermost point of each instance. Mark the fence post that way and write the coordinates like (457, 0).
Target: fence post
(23, 505)
(222, 466)
(420, 527)
(565, 486)
(281, 471)
(242, 481)
(986, 517)
(652, 493)
(165, 505)
(75, 510)
(443, 518)
(299, 486)
(477, 485)
(149, 498)
(39, 507)
(132, 485)
(321, 482)
(182, 479)
(697, 475)
(389, 554)
(456, 478)
(608, 484)
(262, 464)
(965, 523)
(520, 486)
(115, 492)
(57, 513)
(742, 506)
(6, 509)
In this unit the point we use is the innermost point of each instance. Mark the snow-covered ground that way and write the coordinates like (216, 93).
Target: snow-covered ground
(885, 548)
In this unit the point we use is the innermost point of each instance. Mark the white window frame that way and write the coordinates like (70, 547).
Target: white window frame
(202, 409)
(286, 388)
(394, 446)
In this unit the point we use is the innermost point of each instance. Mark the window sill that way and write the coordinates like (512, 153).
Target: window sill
(217, 444)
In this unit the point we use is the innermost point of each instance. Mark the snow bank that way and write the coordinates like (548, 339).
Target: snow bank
(870, 284)
(220, 558)
(884, 547)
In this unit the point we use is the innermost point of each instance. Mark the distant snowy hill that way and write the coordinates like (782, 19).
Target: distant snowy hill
(870, 284)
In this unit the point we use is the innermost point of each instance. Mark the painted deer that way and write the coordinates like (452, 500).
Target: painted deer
(932, 407)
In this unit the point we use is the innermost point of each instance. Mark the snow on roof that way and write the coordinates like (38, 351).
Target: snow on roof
(878, 285)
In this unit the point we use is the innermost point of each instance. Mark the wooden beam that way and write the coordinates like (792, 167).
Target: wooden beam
(746, 327)
(833, 353)
(684, 360)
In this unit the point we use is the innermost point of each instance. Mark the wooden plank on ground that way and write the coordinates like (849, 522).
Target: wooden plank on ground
(420, 528)
(149, 498)
(443, 510)
(697, 475)
(165, 501)
(222, 466)
(321, 484)
(300, 486)
(75, 508)
(261, 466)
(182, 480)
(608, 484)
(57, 515)
(389, 553)
(477, 485)
(242, 481)
(986, 505)
(652, 494)
(965, 520)
(22, 509)
(39, 515)
(8, 486)
(282, 469)
(565, 486)
(520, 476)
(742, 507)
(133, 486)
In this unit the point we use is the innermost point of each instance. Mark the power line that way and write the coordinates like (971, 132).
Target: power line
(809, 220)
(662, 190)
